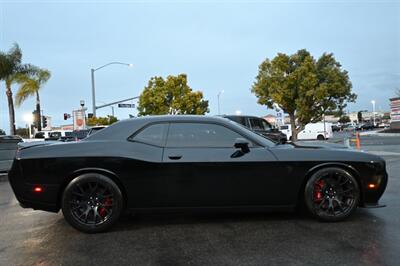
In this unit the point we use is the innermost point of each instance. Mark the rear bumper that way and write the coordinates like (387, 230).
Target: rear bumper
(27, 197)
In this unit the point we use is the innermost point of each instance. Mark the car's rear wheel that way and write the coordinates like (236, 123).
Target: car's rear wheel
(92, 203)
(320, 137)
(332, 194)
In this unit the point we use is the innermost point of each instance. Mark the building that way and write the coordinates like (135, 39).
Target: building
(395, 113)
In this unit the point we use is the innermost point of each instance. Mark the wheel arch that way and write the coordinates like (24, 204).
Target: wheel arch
(101, 171)
(318, 167)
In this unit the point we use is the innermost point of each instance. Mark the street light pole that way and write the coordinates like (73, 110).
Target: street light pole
(373, 111)
(93, 85)
(218, 95)
(93, 94)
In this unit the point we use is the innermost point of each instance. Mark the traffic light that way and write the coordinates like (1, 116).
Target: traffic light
(90, 115)
(65, 116)
(44, 120)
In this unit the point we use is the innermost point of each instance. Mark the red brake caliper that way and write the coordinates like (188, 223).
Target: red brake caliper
(103, 210)
(318, 190)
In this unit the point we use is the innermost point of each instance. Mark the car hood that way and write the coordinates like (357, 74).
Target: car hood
(320, 151)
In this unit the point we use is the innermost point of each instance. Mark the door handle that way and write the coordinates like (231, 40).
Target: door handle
(174, 157)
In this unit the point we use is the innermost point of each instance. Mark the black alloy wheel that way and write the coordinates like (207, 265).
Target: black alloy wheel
(92, 203)
(332, 194)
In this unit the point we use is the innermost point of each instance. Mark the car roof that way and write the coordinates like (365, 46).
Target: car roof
(120, 129)
(127, 127)
(244, 116)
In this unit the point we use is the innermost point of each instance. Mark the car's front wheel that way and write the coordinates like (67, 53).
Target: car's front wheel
(92, 203)
(332, 194)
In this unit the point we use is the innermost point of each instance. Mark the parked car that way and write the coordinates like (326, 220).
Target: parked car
(191, 162)
(55, 135)
(312, 131)
(365, 126)
(336, 128)
(349, 127)
(42, 135)
(8, 148)
(260, 126)
(95, 129)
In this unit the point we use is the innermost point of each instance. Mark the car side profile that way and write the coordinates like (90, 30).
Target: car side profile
(190, 162)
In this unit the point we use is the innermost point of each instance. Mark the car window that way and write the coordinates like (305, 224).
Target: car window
(200, 135)
(153, 134)
(55, 134)
(256, 124)
(266, 125)
(284, 127)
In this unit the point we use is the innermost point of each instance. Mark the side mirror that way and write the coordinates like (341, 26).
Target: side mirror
(242, 144)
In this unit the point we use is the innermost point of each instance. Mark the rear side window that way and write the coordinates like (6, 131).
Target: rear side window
(200, 135)
(153, 134)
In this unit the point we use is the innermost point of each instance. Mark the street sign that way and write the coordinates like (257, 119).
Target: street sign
(126, 105)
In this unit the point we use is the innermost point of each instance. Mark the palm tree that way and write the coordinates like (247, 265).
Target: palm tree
(10, 66)
(30, 84)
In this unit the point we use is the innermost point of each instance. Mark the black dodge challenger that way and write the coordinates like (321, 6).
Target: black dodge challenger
(190, 162)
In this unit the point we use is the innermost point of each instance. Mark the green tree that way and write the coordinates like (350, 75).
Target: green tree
(30, 85)
(171, 96)
(10, 66)
(22, 132)
(101, 121)
(344, 119)
(303, 87)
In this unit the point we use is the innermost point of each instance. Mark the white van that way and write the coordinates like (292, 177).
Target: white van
(312, 131)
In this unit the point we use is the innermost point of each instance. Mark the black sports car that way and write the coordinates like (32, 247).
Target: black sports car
(190, 162)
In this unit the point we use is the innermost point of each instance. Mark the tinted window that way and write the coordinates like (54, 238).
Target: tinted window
(153, 134)
(284, 127)
(259, 124)
(200, 135)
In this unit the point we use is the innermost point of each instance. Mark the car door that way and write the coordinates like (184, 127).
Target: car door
(203, 171)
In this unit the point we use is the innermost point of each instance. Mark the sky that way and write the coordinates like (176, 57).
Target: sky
(218, 44)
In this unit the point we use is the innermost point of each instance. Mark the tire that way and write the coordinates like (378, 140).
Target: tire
(320, 137)
(331, 194)
(92, 203)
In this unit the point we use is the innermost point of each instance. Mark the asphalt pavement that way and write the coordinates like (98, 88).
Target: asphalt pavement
(370, 237)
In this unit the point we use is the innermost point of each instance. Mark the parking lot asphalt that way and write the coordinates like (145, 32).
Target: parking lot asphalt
(370, 237)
